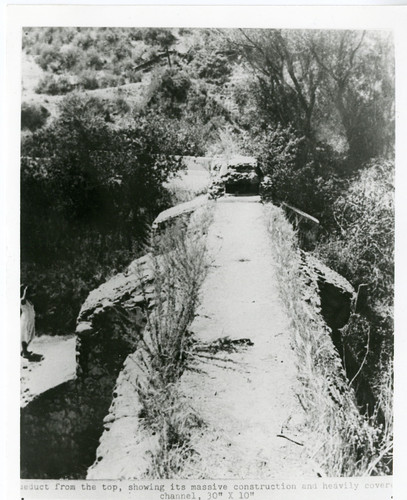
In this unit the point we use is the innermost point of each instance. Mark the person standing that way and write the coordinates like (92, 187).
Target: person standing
(27, 321)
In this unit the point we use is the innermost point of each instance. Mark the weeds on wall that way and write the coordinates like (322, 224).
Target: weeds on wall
(345, 443)
(179, 261)
(362, 250)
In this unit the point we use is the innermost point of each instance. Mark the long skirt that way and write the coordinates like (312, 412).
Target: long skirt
(27, 322)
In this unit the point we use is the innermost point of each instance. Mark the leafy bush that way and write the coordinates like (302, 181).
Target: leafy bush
(58, 59)
(109, 81)
(88, 193)
(159, 36)
(122, 52)
(362, 250)
(204, 107)
(52, 85)
(88, 80)
(184, 137)
(49, 58)
(70, 57)
(94, 60)
(85, 40)
(120, 106)
(199, 118)
(364, 214)
(175, 84)
(33, 116)
(297, 172)
(215, 67)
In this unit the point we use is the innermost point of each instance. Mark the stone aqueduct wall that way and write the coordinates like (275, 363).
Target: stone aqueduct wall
(61, 429)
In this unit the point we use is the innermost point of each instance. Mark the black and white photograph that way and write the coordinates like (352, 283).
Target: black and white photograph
(207, 228)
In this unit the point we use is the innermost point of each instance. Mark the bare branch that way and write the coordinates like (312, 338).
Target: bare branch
(364, 359)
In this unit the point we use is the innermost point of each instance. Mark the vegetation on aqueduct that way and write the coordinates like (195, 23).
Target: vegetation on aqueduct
(110, 111)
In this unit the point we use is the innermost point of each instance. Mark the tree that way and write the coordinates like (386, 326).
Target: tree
(33, 116)
(162, 37)
(109, 179)
(358, 78)
(319, 81)
(88, 191)
(288, 76)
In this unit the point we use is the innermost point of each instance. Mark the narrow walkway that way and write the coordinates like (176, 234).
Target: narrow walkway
(245, 395)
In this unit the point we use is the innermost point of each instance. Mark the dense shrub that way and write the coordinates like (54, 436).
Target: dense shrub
(85, 40)
(362, 250)
(70, 57)
(363, 247)
(215, 67)
(346, 442)
(109, 81)
(88, 80)
(187, 107)
(49, 58)
(205, 107)
(175, 84)
(159, 36)
(297, 172)
(120, 106)
(33, 116)
(94, 60)
(122, 52)
(88, 193)
(58, 59)
(53, 85)
(133, 76)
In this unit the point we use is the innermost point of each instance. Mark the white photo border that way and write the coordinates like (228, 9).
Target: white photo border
(313, 17)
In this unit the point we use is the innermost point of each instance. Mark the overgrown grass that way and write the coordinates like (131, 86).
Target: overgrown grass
(344, 443)
(179, 260)
(362, 250)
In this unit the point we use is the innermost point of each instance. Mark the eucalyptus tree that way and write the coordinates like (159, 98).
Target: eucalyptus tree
(330, 85)
(358, 88)
(288, 76)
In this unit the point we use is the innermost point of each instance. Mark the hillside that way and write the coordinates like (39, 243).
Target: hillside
(190, 69)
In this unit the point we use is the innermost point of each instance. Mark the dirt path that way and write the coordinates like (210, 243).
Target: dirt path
(246, 395)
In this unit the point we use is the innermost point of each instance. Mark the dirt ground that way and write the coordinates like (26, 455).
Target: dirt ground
(245, 394)
(57, 367)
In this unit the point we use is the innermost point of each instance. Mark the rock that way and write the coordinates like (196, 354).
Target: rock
(62, 426)
(336, 293)
(183, 209)
(83, 327)
(238, 175)
(124, 291)
(125, 445)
